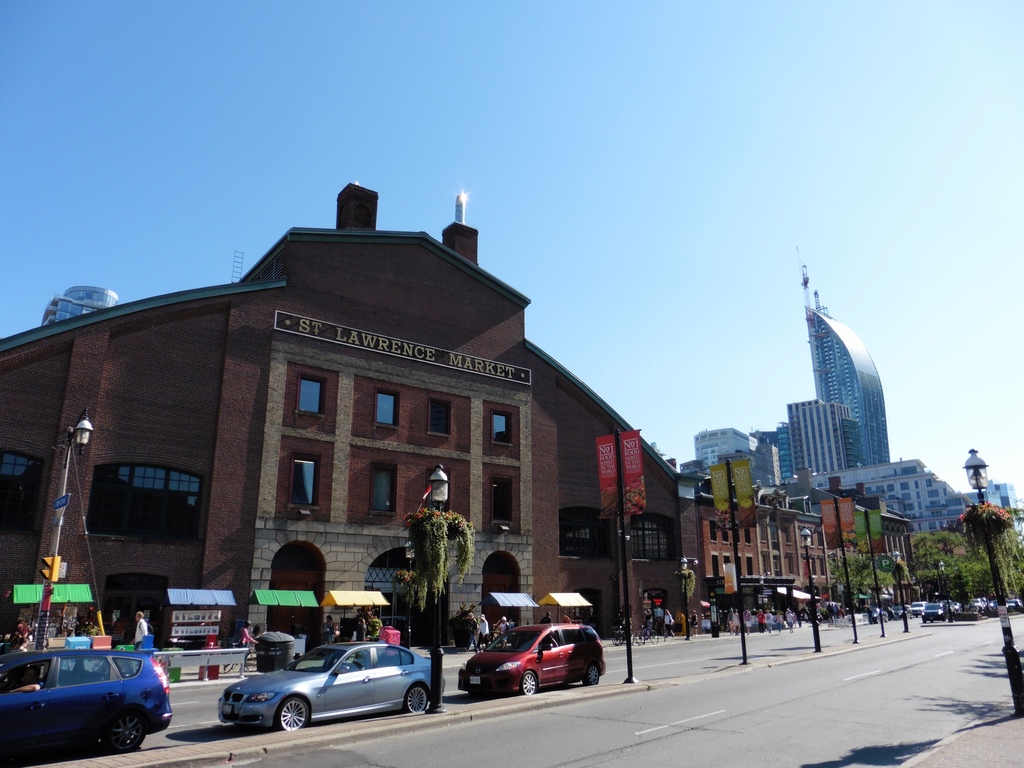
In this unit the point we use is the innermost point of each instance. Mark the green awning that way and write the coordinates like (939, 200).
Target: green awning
(28, 594)
(287, 597)
(864, 597)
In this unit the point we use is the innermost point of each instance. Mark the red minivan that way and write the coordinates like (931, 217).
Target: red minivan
(528, 658)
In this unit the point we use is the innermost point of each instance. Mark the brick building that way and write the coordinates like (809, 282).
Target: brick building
(273, 433)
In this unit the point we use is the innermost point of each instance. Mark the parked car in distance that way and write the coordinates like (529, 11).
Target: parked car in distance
(331, 681)
(1014, 605)
(75, 697)
(916, 609)
(933, 612)
(978, 604)
(526, 659)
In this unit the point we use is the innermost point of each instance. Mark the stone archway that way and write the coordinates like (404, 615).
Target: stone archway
(501, 574)
(298, 566)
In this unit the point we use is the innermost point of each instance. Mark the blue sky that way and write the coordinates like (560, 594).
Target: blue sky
(656, 165)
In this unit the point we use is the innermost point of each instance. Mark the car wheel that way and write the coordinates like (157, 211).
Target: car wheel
(417, 698)
(292, 714)
(593, 674)
(528, 684)
(124, 733)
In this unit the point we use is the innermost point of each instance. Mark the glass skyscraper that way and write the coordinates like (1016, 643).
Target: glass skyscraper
(844, 373)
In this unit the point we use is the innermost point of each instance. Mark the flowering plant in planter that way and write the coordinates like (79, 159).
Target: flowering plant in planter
(430, 530)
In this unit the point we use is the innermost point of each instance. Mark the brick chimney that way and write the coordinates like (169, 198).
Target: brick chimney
(459, 237)
(835, 485)
(357, 208)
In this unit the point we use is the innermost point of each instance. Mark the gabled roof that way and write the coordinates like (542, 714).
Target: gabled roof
(599, 402)
(376, 237)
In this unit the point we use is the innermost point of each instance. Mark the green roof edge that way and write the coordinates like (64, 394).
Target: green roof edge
(167, 299)
(310, 235)
(599, 401)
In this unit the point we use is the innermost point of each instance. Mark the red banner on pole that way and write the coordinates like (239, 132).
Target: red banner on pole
(830, 523)
(847, 523)
(607, 475)
(635, 493)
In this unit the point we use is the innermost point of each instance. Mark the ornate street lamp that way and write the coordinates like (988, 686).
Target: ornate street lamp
(977, 476)
(410, 555)
(438, 498)
(77, 435)
(899, 589)
(805, 537)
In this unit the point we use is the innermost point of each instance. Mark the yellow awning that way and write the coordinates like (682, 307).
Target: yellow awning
(565, 599)
(353, 598)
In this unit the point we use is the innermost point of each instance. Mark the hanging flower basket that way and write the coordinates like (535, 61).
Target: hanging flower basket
(430, 531)
(687, 579)
(986, 518)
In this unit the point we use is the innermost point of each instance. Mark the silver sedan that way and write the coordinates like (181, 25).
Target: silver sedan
(331, 681)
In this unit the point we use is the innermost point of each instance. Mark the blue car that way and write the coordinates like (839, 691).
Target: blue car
(66, 697)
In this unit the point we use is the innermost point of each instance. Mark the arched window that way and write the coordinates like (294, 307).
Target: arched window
(582, 533)
(651, 536)
(20, 478)
(144, 501)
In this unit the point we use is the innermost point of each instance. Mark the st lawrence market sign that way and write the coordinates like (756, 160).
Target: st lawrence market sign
(387, 345)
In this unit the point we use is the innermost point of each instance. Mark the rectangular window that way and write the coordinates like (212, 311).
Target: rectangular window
(750, 563)
(303, 482)
(387, 409)
(439, 417)
(713, 530)
(383, 493)
(499, 428)
(311, 396)
(746, 535)
(501, 499)
(715, 569)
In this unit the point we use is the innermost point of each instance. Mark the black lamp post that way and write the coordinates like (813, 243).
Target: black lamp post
(78, 435)
(805, 537)
(899, 590)
(977, 475)
(944, 589)
(438, 498)
(410, 555)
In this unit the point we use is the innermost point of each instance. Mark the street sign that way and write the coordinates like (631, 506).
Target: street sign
(61, 501)
(885, 563)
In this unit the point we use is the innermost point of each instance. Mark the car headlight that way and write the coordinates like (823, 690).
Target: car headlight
(508, 666)
(263, 696)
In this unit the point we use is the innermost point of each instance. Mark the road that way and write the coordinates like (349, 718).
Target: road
(872, 706)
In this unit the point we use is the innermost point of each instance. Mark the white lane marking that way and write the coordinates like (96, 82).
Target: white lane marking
(940, 655)
(866, 674)
(183, 703)
(679, 722)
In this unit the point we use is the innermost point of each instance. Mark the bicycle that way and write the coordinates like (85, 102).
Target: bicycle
(620, 636)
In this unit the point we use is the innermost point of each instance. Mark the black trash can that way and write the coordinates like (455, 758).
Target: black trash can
(273, 651)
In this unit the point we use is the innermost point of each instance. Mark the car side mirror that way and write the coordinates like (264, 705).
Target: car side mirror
(341, 669)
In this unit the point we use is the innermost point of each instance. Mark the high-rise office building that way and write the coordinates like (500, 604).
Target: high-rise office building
(845, 373)
(709, 444)
(78, 300)
(823, 437)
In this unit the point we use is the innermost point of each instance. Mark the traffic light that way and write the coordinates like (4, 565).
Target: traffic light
(51, 568)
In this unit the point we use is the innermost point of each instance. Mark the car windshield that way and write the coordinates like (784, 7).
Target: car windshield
(317, 660)
(515, 641)
(933, 607)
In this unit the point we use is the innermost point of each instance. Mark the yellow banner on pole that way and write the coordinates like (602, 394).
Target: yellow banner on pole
(720, 487)
(741, 481)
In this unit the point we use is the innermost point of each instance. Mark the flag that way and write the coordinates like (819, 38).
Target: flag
(741, 481)
(830, 523)
(634, 491)
(607, 475)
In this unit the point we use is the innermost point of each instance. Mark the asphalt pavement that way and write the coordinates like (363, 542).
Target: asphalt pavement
(992, 741)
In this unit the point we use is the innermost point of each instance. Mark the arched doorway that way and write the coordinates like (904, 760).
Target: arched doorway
(501, 574)
(298, 566)
(401, 614)
(126, 593)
